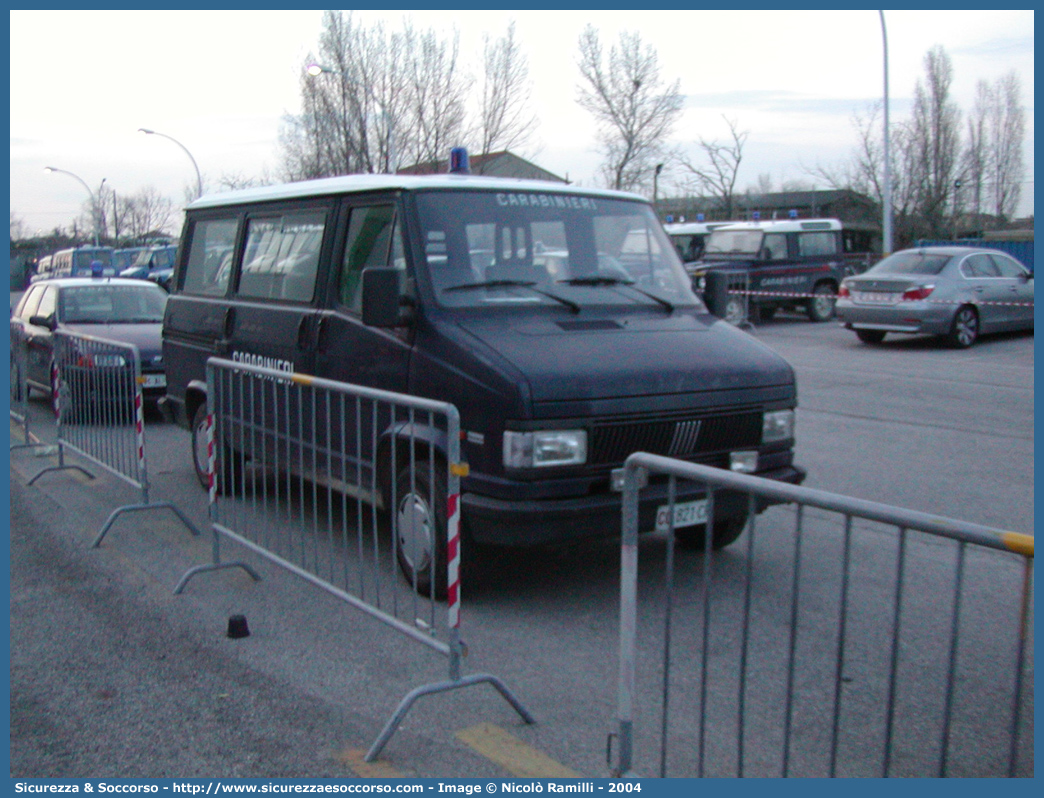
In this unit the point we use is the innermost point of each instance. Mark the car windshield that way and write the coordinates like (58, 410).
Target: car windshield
(734, 242)
(911, 262)
(525, 248)
(112, 304)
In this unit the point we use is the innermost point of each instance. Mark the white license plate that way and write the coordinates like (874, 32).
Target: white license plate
(876, 296)
(154, 380)
(685, 514)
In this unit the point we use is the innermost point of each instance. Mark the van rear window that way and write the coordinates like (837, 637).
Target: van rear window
(209, 265)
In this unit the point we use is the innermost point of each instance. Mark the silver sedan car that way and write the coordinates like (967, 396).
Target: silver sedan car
(954, 292)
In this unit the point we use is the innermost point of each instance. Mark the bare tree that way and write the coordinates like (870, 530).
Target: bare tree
(145, 213)
(437, 93)
(716, 177)
(935, 141)
(1007, 129)
(864, 172)
(372, 99)
(975, 164)
(632, 107)
(504, 118)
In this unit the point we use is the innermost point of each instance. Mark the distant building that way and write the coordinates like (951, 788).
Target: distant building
(848, 206)
(495, 164)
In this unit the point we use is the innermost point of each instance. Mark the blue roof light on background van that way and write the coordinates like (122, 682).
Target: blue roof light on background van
(793, 214)
(699, 217)
(458, 164)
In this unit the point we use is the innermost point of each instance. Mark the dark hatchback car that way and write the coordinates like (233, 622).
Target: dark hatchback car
(115, 309)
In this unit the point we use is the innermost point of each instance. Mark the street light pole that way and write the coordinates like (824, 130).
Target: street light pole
(392, 163)
(886, 221)
(94, 202)
(199, 178)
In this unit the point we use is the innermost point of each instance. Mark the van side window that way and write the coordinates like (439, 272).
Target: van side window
(776, 244)
(282, 256)
(817, 244)
(209, 263)
(374, 239)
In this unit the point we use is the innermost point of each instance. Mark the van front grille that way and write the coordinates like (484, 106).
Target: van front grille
(612, 442)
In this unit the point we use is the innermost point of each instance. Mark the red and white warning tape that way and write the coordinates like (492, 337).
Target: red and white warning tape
(796, 295)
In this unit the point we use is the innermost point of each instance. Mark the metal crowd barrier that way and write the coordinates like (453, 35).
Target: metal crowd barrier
(842, 637)
(97, 396)
(299, 468)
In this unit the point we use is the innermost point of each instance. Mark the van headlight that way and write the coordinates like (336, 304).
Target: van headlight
(545, 448)
(777, 425)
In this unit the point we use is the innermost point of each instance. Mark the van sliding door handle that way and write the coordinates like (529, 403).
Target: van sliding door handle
(303, 334)
(229, 324)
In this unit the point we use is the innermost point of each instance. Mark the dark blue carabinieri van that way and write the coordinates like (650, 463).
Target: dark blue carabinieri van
(558, 320)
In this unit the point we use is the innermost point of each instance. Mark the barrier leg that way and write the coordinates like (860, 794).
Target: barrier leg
(147, 506)
(442, 687)
(217, 566)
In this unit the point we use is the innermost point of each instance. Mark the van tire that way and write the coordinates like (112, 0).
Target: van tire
(821, 305)
(419, 526)
(231, 462)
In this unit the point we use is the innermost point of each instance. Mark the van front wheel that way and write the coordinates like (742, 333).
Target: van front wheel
(420, 528)
(231, 462)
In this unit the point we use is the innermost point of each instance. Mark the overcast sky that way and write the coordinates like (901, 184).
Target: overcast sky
(219, 82)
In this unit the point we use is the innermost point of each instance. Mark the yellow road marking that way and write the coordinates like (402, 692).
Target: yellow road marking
(355, 759)
(512, 754)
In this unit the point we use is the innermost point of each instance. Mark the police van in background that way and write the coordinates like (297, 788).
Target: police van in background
(690, 238)
(558, 320)
(797, 263)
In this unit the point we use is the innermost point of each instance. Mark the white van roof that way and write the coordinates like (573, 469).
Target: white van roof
(786, 225)
(349, 184)
(691, 228)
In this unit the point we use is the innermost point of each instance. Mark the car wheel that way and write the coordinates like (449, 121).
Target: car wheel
(735, 311)
(420, 528)
(821, 305)
(871, 336)
(964, 330)
(726, 530)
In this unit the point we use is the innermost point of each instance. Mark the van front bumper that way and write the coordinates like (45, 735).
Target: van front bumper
(534, 522)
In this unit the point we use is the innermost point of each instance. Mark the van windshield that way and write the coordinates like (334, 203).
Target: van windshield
(734, 242)
(514, 248)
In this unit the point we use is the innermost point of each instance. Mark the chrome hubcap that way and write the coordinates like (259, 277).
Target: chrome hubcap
(824, 303)
(734, 311)
(415, 532)
(967, 326)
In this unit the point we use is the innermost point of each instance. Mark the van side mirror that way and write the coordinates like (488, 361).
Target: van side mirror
(382, 297)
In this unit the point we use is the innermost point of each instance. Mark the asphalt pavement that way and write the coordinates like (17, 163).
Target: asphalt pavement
(113, 675)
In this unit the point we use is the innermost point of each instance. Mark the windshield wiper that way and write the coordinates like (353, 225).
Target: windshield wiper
(614, 281)
(515, 284)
